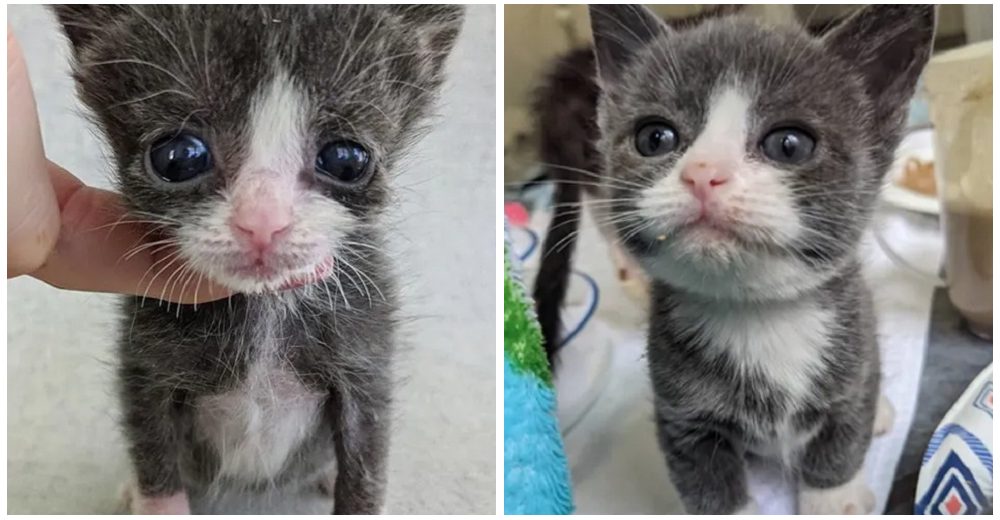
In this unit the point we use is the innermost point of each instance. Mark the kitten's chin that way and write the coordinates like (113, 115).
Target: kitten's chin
(260, 280)
(715, 265)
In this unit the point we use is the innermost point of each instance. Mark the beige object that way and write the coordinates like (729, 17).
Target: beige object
(960, 88)
(918, 176)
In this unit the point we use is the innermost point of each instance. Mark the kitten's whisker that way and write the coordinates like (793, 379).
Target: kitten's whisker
(602, 178)
(360, 75)
(196, 287)
(163, 34)
(562, 243)
(410, 85)
(136, 62)
(184, 288)
(151, 96)
(359, 287)
(362, 274)
(357, 50)
(360, 244)
(175, 277)
(340, 287)
(173, 257)
(160, 244)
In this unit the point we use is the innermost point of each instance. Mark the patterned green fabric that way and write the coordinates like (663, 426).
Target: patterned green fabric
(522, 338)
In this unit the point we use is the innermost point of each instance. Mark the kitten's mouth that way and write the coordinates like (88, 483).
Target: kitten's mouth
(708, 228)
(322, 270)
(270, 277)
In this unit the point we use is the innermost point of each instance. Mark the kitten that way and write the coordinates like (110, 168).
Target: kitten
(260, 141)
(566, 105)
(744, 162)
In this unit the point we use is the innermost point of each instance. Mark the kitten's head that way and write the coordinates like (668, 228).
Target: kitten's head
(259, 139)
(743, 161)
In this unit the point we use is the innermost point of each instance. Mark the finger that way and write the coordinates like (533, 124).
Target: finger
(100, 250)
(32, 213)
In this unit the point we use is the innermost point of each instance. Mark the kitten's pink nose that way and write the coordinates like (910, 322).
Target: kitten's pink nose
(259, 227)
(702, 178)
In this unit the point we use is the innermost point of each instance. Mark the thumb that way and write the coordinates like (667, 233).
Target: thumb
(32, 212)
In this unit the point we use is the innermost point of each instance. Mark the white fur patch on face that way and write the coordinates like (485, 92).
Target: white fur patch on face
(755, 205)
(270, 178)
(784, 341)
(278, 119)
(725, 133)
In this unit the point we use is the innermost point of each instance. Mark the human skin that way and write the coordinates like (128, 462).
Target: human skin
(68, 234)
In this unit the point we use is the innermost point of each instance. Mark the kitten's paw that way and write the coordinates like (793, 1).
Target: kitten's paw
(125, 498)
(885, 414)
(852, 498)
(176, 504)
(750, 508)
(326, 484)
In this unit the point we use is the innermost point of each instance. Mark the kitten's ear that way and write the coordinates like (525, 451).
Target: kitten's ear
(619, 32)
(889, 44)
(83, 23)
(437, 26)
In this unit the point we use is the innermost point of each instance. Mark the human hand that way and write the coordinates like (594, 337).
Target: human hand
(73, 236)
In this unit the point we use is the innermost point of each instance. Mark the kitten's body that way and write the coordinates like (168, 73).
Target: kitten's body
(742, 163)
(287, 383)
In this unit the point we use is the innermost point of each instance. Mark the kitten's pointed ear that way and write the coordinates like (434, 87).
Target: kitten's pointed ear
(436, 26)
(619, 32)
(889, 45)
(82, 23)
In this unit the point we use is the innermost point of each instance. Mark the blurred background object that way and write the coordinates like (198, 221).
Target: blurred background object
(960, 88)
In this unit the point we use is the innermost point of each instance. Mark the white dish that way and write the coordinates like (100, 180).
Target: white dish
(918, 144)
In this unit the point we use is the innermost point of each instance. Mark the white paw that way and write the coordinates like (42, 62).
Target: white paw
(884, 416)
(750, 508)
(852, 498)
(176, 504)
(125, 497)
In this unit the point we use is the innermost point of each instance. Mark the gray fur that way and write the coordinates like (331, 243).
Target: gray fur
(850, 87)
(374, 70)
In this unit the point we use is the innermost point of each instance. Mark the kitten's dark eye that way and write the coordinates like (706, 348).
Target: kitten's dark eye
(344, 161)
(180, 157)
(788, 145)
(655, 138)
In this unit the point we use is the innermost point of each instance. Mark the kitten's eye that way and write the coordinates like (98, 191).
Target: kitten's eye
(655, 138)
(788, 145)
(344, 161)
(180, 157)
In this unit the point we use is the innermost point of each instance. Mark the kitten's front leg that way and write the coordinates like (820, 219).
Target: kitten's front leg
(154, 449)
(706, 469)
(361, 435)
(832, 466)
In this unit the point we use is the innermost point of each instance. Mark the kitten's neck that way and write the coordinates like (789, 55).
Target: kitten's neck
(768, 289)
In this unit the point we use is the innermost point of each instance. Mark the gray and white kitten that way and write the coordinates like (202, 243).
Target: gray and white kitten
(259, 141)
(741, 163)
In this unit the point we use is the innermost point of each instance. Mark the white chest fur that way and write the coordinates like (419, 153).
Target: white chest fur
(257, 426)
(784, 341)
